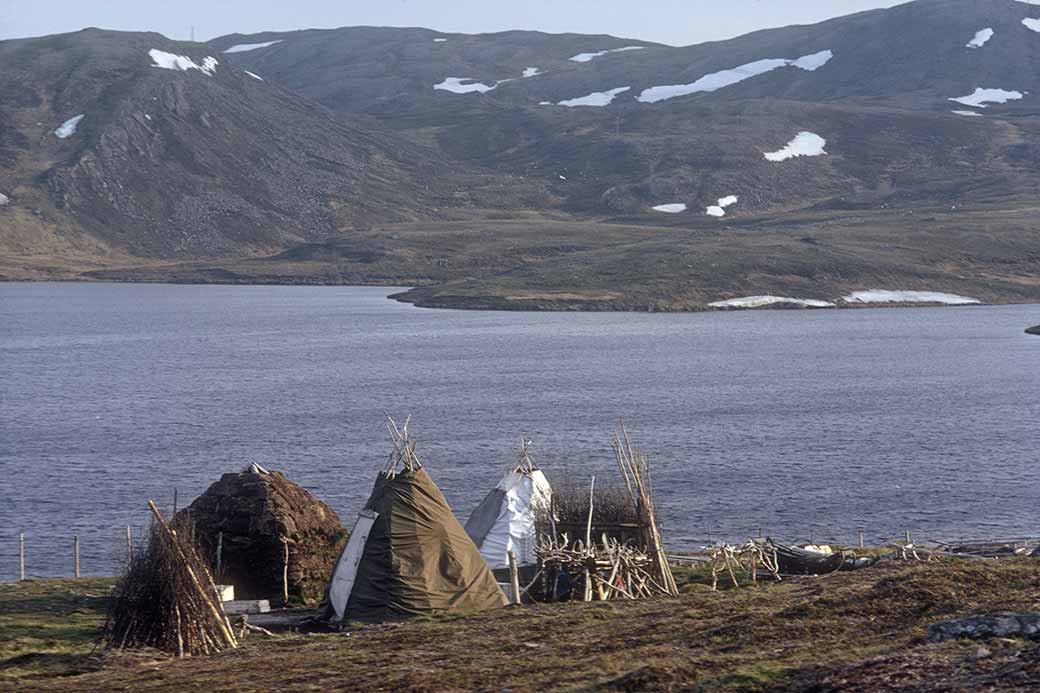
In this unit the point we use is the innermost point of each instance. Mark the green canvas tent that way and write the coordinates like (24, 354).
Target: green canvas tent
(407, 554)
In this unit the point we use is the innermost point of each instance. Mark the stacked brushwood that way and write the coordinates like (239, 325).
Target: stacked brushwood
(614, 567)
(167, 600)
(603, 571)
(746, 559)
(635, 468)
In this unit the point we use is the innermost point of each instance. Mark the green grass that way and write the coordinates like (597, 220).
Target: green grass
(50, 626)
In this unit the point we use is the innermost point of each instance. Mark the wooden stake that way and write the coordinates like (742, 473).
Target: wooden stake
(220, 551)
(861, 539)
(908, 537)
(75, 554)
(129, 546)
(21, 556)
(514, 578)
(285, 573)
(588, 526)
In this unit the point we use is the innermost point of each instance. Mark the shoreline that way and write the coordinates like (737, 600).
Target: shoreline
(505, 304)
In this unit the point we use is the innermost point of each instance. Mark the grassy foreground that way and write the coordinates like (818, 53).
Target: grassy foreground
(850, 631)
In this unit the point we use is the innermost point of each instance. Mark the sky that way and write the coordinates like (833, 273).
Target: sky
(674, 22)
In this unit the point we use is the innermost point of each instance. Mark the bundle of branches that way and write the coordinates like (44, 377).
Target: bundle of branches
(167, 599)
(613, 512)
(635, 468)
(745, 559)
(605, 570)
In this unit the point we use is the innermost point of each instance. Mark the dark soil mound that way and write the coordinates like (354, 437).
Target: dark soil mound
(255, 510)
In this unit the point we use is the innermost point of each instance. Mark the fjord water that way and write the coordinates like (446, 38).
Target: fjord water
(792, 422)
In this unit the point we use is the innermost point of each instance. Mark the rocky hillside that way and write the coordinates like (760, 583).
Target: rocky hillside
(165, 150)
(616, 125)
(294, 156)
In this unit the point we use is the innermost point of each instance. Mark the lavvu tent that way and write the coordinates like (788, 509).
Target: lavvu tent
(407, 554)
(505, 520)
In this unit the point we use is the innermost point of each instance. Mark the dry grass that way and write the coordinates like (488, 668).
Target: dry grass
(866, 628)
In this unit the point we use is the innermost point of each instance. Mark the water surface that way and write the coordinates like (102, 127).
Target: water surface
(789, 422)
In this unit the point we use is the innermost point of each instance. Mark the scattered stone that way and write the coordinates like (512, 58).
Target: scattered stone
(983, 627)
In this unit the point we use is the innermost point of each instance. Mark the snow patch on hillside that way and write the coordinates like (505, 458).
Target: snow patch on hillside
(726, 78)
(973, 114)
(596, 98)
(883, 296)
(440, 40)
(981, 37)
(464, 85)
(586, 57)
(4, 199)
(243, 47)
(254, 76)
(181, 63)
(69, 127)
(762, 301)
(674, 208)
(719, 210)
(1031, 24)
(981, 96)
(804, 144)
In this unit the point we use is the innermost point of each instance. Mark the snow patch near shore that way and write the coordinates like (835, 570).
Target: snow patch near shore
(884, 296)
(181, 63)
(440, 40)
(719, 210)
(981, 37)
(586, 57)
(725, 78)
(4, 199)
(973, 114)
(982, 96)
(254, 76)
(762, 301)
(69, 127)
(804, 144)
(532, 72)
(243, 47)
(596, 98)
(674, 208)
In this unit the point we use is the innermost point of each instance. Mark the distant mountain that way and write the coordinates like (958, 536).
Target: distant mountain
(649, 125)
(903, 143)
(161, 149)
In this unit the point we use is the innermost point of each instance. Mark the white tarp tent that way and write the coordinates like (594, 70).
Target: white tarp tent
(505, 519)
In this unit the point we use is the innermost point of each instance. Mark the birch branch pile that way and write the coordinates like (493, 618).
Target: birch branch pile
(599, 572)
(743, 560)
(635, 468)
(167, 599)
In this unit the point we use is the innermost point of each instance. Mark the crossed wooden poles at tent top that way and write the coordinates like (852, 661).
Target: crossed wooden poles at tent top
(403, 457)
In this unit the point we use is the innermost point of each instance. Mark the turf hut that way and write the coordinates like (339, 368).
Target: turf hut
(407, 554)
(505, 520)
(252, 518)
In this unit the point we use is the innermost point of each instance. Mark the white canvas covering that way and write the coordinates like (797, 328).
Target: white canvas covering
(505, 520)
(343, 576)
